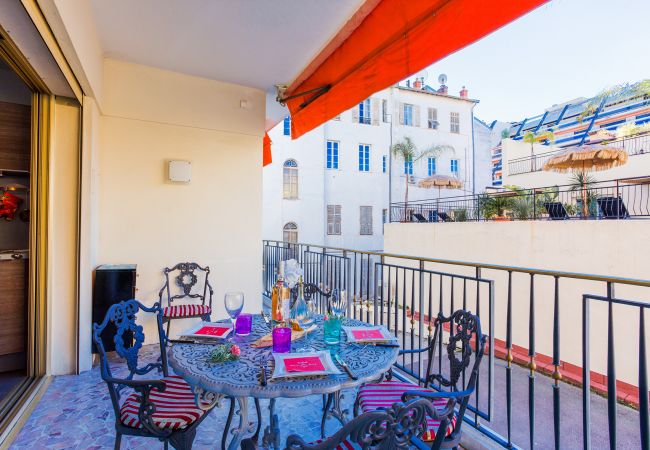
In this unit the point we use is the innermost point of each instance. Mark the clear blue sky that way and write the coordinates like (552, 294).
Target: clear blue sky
(562, 50)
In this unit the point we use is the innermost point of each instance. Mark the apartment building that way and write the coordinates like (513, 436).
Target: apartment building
(333, 186)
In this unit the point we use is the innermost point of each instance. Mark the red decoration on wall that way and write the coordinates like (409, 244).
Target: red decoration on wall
(9, 205)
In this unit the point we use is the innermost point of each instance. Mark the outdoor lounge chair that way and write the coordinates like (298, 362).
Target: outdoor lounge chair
(419, 217)
(612, 208)
(434, 216)
(465, 329)
(556, 211)
(162, 408)
(445, 217)
(398, 426)
(186, 276)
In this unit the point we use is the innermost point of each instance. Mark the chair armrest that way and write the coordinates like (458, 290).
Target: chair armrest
(211, 291)
(418, 350)
(419, 444)
(438, 394)
(139, 385)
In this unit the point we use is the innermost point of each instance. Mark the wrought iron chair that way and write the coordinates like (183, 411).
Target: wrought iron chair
(164, 408)
(464, 329)
(396, 427)
(185, 277)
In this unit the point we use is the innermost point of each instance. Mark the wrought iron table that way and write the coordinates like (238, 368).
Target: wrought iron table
(241, 379)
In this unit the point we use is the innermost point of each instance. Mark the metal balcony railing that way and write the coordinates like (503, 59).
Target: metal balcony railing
(544, 327)
(634, 145)
(616, 199)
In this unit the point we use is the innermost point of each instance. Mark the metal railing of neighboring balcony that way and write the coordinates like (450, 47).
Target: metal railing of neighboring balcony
(616, 199)
(532, 306)
(634, 145)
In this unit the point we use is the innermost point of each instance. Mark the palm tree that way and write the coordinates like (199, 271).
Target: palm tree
(532, 137)
(581, 182)
(408, 152)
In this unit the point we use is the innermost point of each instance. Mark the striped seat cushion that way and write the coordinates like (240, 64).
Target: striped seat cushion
(383, 395)
(186, 310)
(345, 445)
(175, 407)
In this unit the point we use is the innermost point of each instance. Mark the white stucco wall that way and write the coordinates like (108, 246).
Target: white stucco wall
(610, 248)
(152, 116)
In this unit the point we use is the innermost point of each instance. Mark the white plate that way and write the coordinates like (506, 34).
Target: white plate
(280, 369)
(194, 331)
(386, 336)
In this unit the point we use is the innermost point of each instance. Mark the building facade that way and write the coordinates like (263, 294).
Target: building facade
(334, 185)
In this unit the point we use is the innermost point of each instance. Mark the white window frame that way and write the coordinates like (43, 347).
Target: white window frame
(408, 118)
(366, 117)
(332, 161)
(290, 232)
(432, 118)
(290, 180)
(431, 165)
(364, 157)
(454, 122)
(365, 220)
(333, 220)
(451, 166)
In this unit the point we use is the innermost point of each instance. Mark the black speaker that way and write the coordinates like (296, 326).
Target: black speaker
(113, 283)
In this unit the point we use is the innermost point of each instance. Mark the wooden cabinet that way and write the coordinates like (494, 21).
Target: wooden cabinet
(15, 136)
(13, 319)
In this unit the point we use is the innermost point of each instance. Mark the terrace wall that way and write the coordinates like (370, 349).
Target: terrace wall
(612, 248)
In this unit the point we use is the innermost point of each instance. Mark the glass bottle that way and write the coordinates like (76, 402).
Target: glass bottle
(300, 311)
(276, 300)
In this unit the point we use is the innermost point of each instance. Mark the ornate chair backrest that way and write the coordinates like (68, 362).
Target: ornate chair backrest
(384, 429)
(464, 331)
(186, 280)
(123, 316)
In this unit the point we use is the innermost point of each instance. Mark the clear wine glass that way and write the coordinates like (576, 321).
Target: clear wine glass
(234, 303)
(339, 302)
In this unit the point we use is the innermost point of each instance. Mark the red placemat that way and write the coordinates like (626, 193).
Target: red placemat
(367, 334)
(303, 364)
(212, 331)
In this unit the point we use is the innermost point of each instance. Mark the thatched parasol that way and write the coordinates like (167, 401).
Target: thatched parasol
(440, 181)
(587, 158)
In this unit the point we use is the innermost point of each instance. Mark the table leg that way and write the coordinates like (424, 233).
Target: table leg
(271, 437)
(244, 425)
(333, 400)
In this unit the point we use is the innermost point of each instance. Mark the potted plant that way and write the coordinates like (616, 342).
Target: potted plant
(494, 207)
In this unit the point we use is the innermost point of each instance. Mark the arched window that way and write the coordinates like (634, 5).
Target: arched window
(290, 233)
(290, 179)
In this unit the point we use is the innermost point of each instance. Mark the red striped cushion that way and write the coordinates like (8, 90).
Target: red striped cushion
(175, 407)
(345, 445)
(383, 395)
(186, 310)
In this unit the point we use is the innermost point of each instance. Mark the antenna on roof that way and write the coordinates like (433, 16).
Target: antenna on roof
(442, 79)
(422, 75)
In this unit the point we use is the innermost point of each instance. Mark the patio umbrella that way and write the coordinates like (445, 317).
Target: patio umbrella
(440, 182)
(586, 158)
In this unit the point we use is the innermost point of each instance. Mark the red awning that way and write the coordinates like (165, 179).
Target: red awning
(385, 42)
(267, 157)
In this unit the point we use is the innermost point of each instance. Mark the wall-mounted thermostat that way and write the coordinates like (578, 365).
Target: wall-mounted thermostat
(180, 171)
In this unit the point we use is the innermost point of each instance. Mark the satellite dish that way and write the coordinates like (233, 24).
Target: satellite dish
(423, 74)
(442, 79)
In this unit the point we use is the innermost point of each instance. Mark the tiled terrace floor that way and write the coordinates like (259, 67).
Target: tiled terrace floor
(76, 413)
